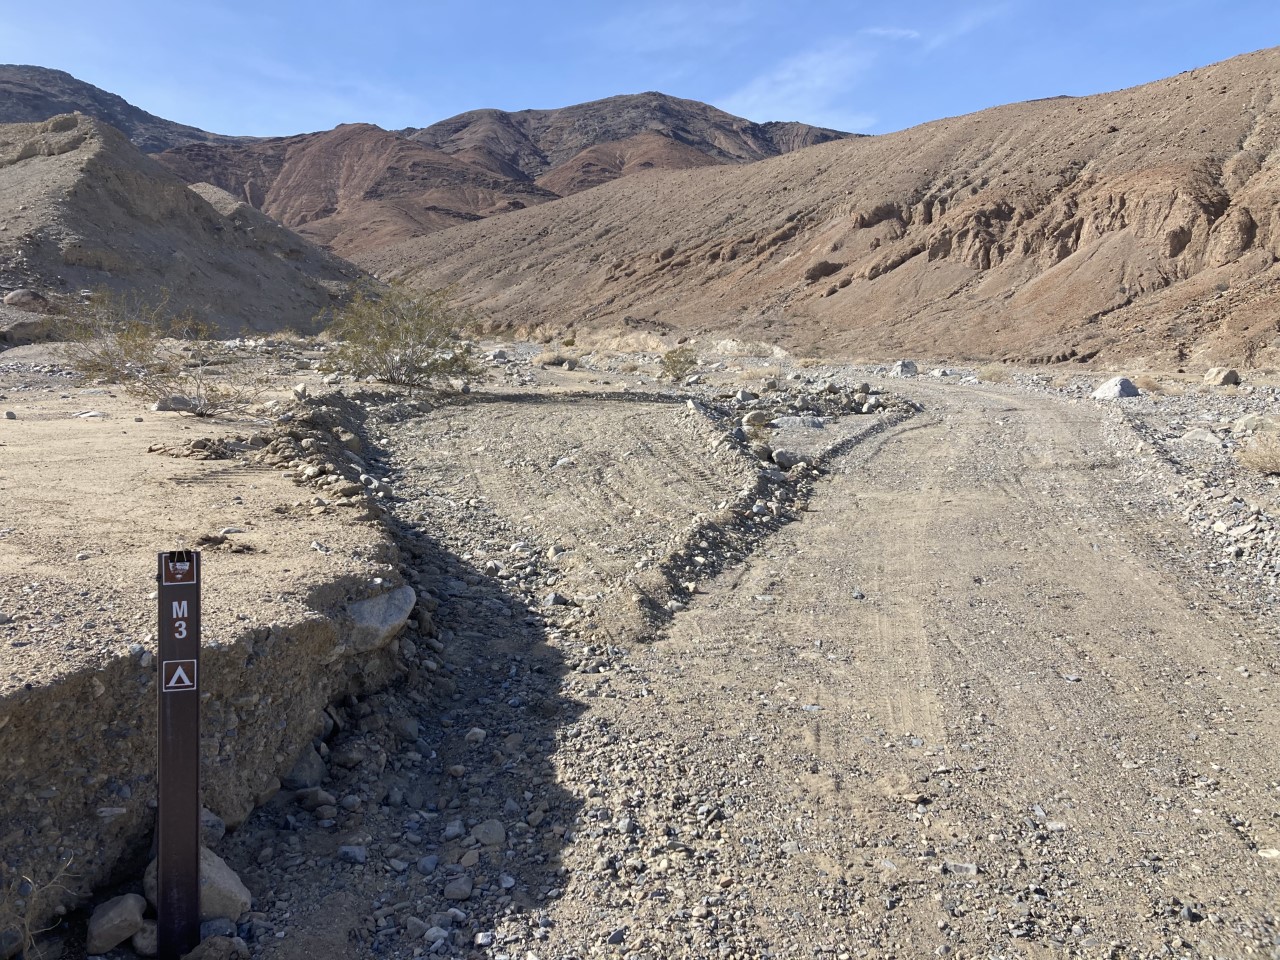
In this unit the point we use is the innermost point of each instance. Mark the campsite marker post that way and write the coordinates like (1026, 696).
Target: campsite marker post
(178, 756)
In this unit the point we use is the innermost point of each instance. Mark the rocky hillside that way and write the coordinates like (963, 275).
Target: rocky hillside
(358, 188)
(80, 207)
(355, 188)
(677, 134)
(1136, 224)
(31, 94)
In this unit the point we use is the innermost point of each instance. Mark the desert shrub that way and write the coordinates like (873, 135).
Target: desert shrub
(556, 358)
(1148, 384)
(821, 269)
(157, 356)
(679, 363)
(994, 373)
(1261, 453)
(404, 337)
(24, 903)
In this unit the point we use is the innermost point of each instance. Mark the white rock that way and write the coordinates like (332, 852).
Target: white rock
(1201, 435)
(1115, 389)
(222, 893)
(1221, 377)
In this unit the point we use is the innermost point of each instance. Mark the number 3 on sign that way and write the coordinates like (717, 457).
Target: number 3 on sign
(180, 619)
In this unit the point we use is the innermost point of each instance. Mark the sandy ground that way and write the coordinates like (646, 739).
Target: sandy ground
(86, 509)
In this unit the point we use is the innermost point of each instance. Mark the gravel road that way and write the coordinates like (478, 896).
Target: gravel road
(971, 696)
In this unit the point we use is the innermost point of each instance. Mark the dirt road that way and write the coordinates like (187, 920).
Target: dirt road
(976, 701)
(964, 705)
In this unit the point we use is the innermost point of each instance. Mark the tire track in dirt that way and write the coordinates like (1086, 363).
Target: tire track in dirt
(1019, 666)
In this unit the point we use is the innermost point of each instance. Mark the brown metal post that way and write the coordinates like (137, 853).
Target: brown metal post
(178, 868)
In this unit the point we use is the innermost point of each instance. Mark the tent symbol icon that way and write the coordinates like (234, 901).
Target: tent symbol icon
(178, 676)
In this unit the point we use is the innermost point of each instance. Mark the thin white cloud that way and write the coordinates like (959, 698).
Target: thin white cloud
(891, 33)
(966, 23)
(674, 27)
(815, 87)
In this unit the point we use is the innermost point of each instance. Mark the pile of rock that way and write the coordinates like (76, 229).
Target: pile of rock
(224, 900)
(811, 401)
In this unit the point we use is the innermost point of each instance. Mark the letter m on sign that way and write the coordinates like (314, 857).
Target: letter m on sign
(179, 609)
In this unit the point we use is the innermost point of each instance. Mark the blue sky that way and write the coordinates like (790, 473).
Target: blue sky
(278, 66)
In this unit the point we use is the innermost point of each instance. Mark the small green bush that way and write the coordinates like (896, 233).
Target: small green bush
(157, 356)
(679, 363)
(404, 337)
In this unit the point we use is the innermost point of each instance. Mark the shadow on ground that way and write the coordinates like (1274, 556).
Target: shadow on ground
(438, 791)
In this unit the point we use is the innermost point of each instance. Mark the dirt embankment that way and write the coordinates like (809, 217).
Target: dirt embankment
(95, 485)
(81, 209)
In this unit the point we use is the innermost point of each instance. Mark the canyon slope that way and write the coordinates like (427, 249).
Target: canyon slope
(358, 188)
(1135, 226)
(82, 209)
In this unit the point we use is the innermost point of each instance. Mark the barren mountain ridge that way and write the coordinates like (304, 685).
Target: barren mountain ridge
(1139, 225)
(359, 188)
(30, 94)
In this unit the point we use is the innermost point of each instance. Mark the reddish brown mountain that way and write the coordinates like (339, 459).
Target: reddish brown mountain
(536, 142)
(1142, 223)
(354, 188)
(620, 158)
(359, 188)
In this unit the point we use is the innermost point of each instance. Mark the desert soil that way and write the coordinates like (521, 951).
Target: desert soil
(973, 688)
(978, 699)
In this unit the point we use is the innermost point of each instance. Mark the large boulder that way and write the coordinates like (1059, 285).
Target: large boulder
(904, 368)
(1221, 377)
(114, 922)
(786, 459)
(24, 299)
(1115, 389)
(18, 328)
(376, 621)
(222, 892)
